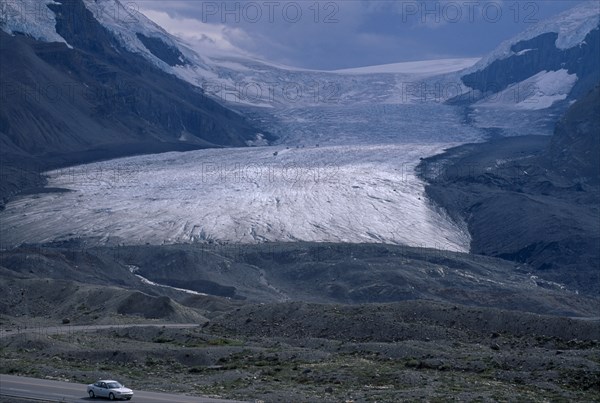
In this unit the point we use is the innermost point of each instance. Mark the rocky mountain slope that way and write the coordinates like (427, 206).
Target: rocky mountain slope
(569, 42)
(88, 97)
(528, 82)
(574, 151)
(319, 273)
(531, 199)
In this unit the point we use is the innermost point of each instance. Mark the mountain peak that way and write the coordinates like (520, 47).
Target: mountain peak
(549, 65)
(571, 26)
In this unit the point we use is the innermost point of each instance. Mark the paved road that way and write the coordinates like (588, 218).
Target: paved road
(65, 392)
(66, 329)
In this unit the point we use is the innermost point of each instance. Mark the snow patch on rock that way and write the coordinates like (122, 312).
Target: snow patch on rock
(572, 26)
(30, 17)
(538, 92)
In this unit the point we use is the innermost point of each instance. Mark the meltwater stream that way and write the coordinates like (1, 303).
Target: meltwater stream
(340, 174)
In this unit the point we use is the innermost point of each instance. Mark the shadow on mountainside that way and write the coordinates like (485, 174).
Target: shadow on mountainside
(531, 199)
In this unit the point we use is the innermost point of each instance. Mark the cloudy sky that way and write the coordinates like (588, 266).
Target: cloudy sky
(349, 33)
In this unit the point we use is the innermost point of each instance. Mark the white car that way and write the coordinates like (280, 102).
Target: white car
(110, 389)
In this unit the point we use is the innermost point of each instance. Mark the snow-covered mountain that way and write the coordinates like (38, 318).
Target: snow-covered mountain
(30, 17)
(555, 60)
(342, 169)
(235, 79)
(76, 89)
(241, 80)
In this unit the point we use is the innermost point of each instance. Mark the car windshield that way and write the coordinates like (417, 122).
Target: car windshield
(114, 385)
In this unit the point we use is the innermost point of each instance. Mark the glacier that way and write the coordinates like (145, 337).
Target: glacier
(343, 169)
(346, 176)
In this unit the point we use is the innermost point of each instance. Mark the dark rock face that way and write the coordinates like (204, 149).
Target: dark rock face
(164, 52)
(541, 54)
(65, 106)
(314, 272)
(541, 206)
(574, 150)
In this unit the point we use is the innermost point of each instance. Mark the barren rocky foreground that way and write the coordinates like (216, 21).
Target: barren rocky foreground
(332, 353)
(417, 324)
(326, 322)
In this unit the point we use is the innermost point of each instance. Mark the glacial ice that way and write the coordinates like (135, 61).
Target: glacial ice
(342, 171)
(342, 174)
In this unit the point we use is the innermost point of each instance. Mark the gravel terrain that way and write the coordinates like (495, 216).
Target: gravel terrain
(470, 329)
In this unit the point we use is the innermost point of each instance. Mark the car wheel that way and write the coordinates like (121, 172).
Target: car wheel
(111, 397)
(91, 393)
